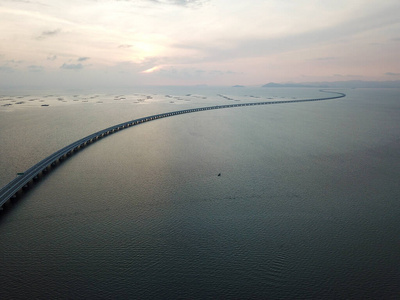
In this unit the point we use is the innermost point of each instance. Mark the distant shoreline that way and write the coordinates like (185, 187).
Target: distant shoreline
(338, 84)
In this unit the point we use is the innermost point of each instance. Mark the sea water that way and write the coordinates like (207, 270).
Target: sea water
(306, 204)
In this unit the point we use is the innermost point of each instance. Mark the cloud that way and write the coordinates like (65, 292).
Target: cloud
(72, 66)
(34, 68)
(15, 62)
(392, 74)
(6, 69)
(325, 58)
(52, 57)
(252, 46)
(185, 3)
(348, 76)
(22, 1)
(48, 33)
(265, 39)
(151, 70)
(190, 73)
(10, 65)
(221, 73)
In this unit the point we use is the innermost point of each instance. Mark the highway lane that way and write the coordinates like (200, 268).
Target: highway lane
(11, 189)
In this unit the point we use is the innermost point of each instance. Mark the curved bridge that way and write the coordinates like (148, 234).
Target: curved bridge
(10, 190)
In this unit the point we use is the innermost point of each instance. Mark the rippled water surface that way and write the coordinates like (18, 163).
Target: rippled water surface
(306, 206)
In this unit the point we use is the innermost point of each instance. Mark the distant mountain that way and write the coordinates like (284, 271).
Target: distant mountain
(238, 86)
(339, 84)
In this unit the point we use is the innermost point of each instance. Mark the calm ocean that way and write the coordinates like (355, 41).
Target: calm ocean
(306, 205)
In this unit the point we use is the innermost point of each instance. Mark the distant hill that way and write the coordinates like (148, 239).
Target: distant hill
(339, 84)
(238, 86)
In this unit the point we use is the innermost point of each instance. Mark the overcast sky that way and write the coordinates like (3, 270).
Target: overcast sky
(188, 42)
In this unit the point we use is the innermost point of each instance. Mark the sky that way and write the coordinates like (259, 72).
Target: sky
(78, 43)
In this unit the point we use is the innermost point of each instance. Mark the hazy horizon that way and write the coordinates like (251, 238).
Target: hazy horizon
(110, 43)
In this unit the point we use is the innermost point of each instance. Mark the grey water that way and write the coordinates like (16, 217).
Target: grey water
(306, 207)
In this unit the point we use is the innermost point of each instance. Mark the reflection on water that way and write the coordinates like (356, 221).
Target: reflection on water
(305, 207)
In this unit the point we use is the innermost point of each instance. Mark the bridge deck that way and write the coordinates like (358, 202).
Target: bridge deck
(12, 188)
